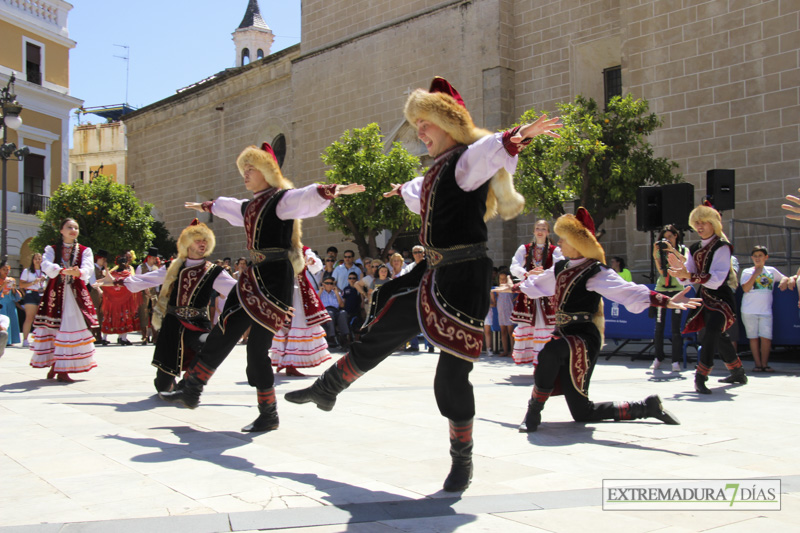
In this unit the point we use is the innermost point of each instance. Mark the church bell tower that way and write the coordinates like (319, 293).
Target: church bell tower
(253, 38)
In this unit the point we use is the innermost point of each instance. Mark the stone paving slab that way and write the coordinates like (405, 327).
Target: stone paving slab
(105, 454)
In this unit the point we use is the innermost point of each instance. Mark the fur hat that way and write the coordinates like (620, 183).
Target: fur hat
(707, 213)
(195, 230)
(264, 160)
(578, 230)
(443, 106)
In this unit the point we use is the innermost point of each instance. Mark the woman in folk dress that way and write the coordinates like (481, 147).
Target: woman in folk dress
(62, 339)
(534, 316)
(303, 343)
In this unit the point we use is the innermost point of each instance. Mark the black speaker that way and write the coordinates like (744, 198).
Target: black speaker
(677, 201)
(721, 187)
(648, 208)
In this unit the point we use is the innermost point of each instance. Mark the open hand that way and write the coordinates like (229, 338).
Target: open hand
(680, 301)
(351, 188)
(542, 126)
(677, 268)
(794, 209)
(197, 206)
(395, 190)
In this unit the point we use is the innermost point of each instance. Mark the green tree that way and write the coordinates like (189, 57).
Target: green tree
(109, 214)
(163, 240)
(358, 157)
(601, 159)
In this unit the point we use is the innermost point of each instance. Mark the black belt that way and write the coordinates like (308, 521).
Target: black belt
(566, 319)
(268, 254)
(438, 257)
(188, 313)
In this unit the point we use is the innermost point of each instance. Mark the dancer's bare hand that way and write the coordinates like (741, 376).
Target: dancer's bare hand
(535, 271)
(794, 209)
(197, 206)
(680, 301)
(506, 287)
(542, 126)
(351, 188)
(395, 190)
(677, 269)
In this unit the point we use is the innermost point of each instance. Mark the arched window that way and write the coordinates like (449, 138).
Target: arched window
(279, 147)
(245, 56)
(260, 54)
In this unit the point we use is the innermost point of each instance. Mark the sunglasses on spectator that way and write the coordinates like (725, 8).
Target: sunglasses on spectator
(329, 260)
(349, 256)
(415, 253)
(328, 283)
(355, 278)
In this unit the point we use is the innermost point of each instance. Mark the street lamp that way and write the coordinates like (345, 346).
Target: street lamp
(10, 119)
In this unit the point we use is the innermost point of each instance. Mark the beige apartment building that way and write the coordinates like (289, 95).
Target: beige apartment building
(35, 48)
(98, 149)
(722, 74)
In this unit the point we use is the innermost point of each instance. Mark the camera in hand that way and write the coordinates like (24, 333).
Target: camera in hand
(662, 244)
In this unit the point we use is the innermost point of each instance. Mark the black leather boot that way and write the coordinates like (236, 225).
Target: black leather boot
(737, 376)
(325, 389)
(700, 384)
(461, 453)
(534, 415)
(188, 391)
(163, 382)
(268, 412)
(650, 407)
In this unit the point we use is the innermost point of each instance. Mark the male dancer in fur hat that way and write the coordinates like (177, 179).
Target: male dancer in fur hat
(568, 359)
(181, 310)
(708, 265)
(263, 294)
(447, 295)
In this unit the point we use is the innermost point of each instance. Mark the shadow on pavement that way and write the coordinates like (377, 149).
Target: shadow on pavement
(372, 506)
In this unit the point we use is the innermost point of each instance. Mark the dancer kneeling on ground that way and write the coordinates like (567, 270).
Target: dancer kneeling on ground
(263, 296)
(181, 311)
(568, 359)
(468, 182)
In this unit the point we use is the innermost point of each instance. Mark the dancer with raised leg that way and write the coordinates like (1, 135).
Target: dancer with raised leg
(468, 182)
(263, 296)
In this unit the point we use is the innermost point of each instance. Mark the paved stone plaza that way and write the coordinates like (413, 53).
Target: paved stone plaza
(105, 454)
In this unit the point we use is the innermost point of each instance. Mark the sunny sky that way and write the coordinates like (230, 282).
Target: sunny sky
(172, 44)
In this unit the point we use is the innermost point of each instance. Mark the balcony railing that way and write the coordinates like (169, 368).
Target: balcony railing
(30, 203)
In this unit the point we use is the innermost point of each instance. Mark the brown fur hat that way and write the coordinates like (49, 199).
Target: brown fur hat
(578, 230)
(443, 106)
(195, 230)
(708, 214)
(264, 160)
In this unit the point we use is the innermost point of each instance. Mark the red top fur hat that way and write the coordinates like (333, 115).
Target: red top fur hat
(443, 106)
(194, 231)
(579, 231)
(263, 159)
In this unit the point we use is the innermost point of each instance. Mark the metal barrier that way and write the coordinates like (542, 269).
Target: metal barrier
(781, 241)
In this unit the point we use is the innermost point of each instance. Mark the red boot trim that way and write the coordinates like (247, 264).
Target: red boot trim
(736, 364)
(349, 370)
(704, 370)
(266, 395)
(461, 431)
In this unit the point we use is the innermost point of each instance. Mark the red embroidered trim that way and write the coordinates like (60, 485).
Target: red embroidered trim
(326, 192)
(513, 148)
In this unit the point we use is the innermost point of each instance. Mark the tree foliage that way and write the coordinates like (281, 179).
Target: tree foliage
(163, 240)
(109, 215)
(601, 159)
(358, 157)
